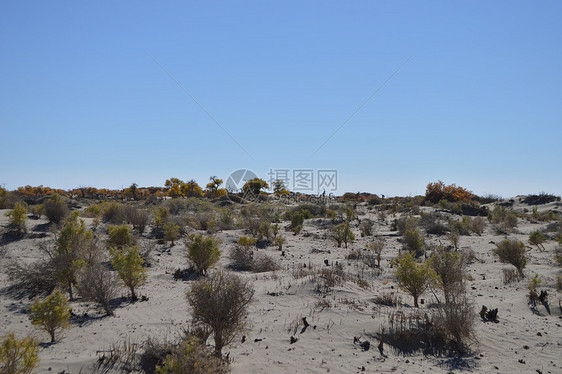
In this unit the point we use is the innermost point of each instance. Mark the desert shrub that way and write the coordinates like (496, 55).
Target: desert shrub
(477, 225)
(192, 356)
(203, 252)
(297, 222)
(388, 299)
(18, 356)
(413, 242)
(373, 258)
(413, 277)
(37, 210)
(128, 263)
(120, 236)
(504, 220)
(242, 258)
(342, 234)
(68, 257)
(404, 223)
(226, 220)
(171, 231)
(254, 186)
(558, 255)
(137, 217)
(541, 198)
(330, 213)
(18, 216)
(450, 269)
(462, 226)
(279, 241)
(537, 238)
(455, 322)
(433, 223)
(330, 277)
(438, 191)
(349, 213)
(511, 276)
(263, 263)
(366, 227)
(38, 278)
(113, 213)
(454, 238)
(96, 283)
(51, 314)
(220, 302)
(56, 209)
(161, 215)
(512, 252)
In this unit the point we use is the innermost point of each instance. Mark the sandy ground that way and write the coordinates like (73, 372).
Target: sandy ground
(524, 341)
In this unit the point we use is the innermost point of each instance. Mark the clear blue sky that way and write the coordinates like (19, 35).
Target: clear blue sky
(82, 102)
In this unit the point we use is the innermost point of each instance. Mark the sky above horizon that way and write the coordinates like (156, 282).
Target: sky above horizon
(392, 95)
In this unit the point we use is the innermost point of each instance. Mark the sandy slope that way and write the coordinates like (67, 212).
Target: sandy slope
(282, 300)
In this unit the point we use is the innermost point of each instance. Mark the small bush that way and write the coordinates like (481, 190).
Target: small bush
(541, 198)
(450, 268)
(455, 322)
(203, 252)
(137, 217)
(504, 220)
(511, 276)
(18, 216)
(51, 314)
(192, 356)
(537, 238)
(38, 278)
(477, 225)
(120, 236)
(297, 222)
(413, 242)
(220, 302)
(412, 277)
(128, 263)
(404, 224)
(114, 213)
(434, 223)
(99, 285)
(18, 356)
(342, 234)
(56, 209)
(375, 248)
(171, 232)
(512, 252)
(366, 227)
(558, 255)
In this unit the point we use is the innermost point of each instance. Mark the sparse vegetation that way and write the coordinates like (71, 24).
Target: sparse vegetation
(342, 234)
(128, 263)
(96, 283)
(18, 216)
(537, 238)
(413, 277)
(56, 209)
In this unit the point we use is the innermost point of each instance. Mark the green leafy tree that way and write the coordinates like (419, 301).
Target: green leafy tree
(18, 216)
(18, 356)
(220, 302)
(413, 277)
(254, 186)
(203, 252)
(128, 263)
(537, 238)
(72, 242)
(51, 314)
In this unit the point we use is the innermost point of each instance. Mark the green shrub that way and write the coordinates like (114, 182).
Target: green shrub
(413, 242)
(171, 232)
(56, 209)
(246, 241)
(297, 222)
(194, 357)
(366, 227)
(18, 356)
(512, 252)
(120, 236)
(18, 216)
(128, 263)
(450, 269)
(342, 234)
(203, 252)
(413, 277)
(537, 238)
(505, 220)
(51, 314)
